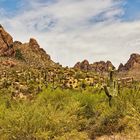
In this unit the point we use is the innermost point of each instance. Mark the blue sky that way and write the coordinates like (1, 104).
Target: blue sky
(76, 29)
(9, 5)
(132, 10)
(131, 7)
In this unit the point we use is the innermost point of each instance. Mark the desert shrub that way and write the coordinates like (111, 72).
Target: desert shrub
(68, 114)
(53, 115)
(109, 122)
(18, 54)
(123, 116)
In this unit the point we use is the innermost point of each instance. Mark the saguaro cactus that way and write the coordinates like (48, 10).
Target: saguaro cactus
(108, 94)
(110, 89)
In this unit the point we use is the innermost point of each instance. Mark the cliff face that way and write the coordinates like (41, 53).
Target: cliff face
(6, 43)
(97, 66)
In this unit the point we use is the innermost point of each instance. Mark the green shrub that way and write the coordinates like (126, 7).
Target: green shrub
(18, 54)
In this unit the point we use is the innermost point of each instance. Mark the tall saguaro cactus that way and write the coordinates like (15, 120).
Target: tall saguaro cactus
(110, 88)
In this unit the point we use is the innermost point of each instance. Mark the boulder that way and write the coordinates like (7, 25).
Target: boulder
(9, 63)
(6, 43)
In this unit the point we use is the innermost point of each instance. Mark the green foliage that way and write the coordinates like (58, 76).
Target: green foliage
(68, 114)
(18, 54)
(53, 115)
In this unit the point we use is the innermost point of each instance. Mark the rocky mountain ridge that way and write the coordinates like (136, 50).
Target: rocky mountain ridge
(100, 66)
(131, 68)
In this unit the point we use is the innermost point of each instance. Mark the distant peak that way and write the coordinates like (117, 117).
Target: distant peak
(100, 66)
(33, 43)
(134, 55)
(133, 60)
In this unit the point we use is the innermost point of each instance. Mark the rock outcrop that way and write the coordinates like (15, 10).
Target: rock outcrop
(132, 63)
(33, 43)
(9, 63)
(84, 65)
(6, 43)
(121, 67)
(35, 47)
(16, 44)
(100, 66)
(30, 53)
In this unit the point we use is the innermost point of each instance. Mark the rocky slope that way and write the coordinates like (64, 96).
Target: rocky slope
(27, 53)
(132, 63)
(24, 67)
(32, 54)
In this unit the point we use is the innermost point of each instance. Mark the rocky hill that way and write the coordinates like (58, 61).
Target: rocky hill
(24, 67)
(131, 68)
(25, 53)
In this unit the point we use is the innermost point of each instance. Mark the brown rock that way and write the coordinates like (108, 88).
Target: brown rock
(77, 65)
(9, 52)
(9, 63)
(33, 43)
(121, 67)
(6, 43)
(6, 37)
(35, 46)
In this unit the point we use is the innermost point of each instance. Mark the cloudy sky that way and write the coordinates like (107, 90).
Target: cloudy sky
(73, 30)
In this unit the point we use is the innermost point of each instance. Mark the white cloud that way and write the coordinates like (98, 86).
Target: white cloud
(69, 32)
